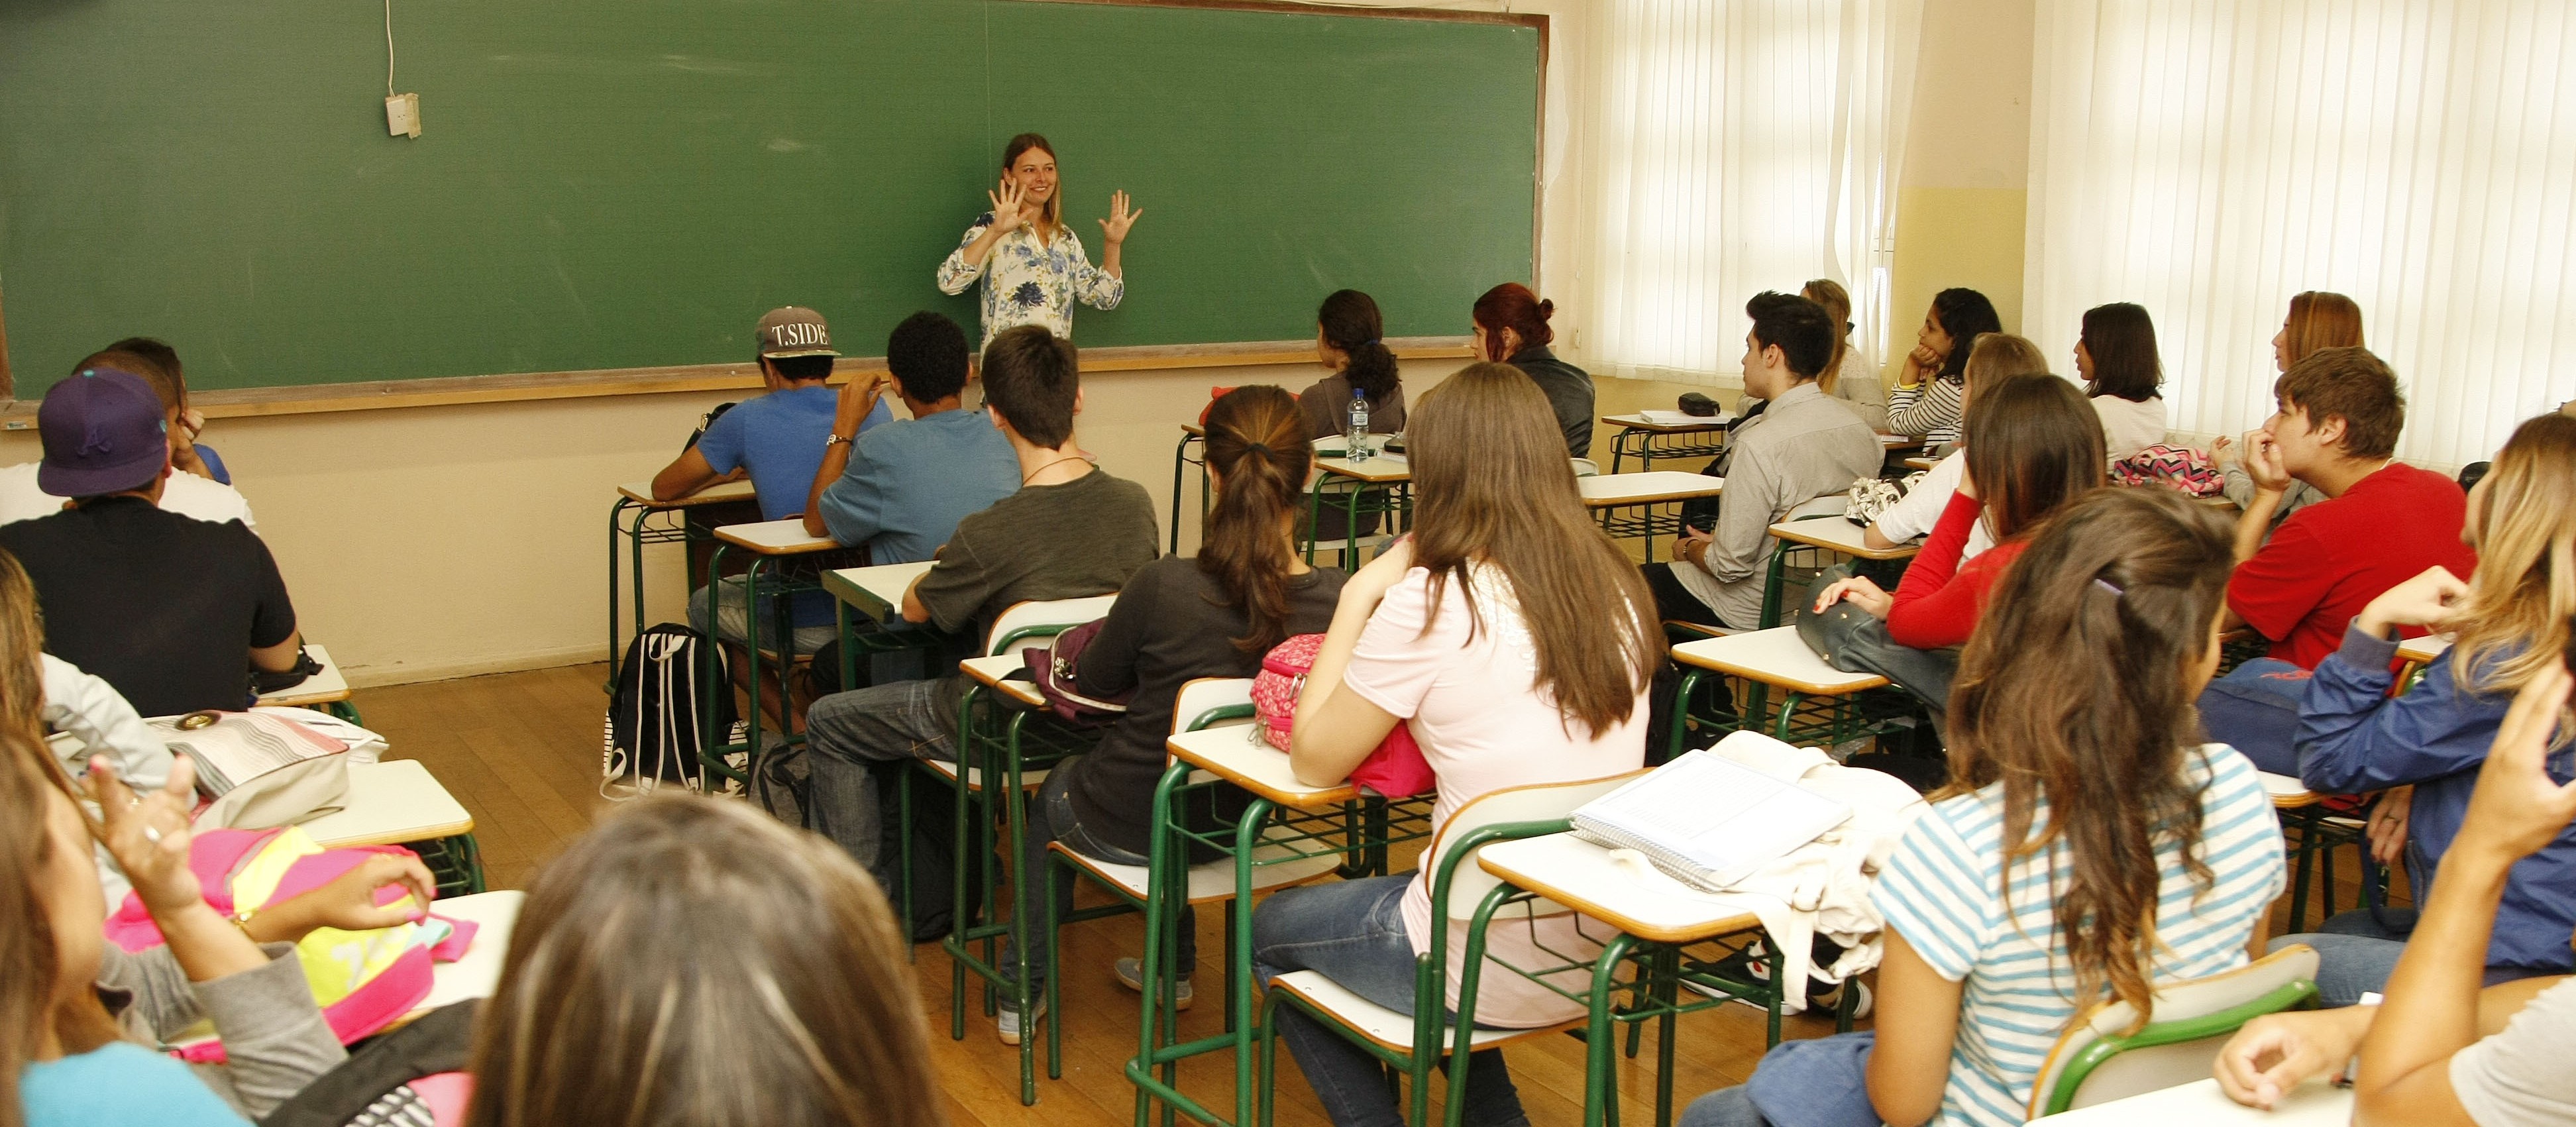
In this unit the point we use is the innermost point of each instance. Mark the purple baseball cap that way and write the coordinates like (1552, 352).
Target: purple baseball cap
(104, 433)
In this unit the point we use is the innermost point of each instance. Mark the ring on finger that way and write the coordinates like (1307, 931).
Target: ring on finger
(152, 834)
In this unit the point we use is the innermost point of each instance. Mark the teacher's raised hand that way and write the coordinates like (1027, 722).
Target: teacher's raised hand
(1006, 207)
(1120, 219)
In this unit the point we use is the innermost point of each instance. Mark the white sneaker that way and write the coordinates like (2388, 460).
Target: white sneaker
(1007, 1021)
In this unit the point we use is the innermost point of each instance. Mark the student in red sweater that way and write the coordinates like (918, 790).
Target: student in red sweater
(2382, 523)
(2033, 445)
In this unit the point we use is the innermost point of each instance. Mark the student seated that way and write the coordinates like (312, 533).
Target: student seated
(1177, 619)
(173, 612)
(1925, 401)
(2123, 375)
(690, 960)
(1511, 328)
(777, 438)
(2317, 319)
(187, 494)
(1993, 356)
(89, 1021)
(1513, 639)
(2132, 853)
(899, 489)
(2509, 622)
(2034, 446)
(1837, 304)
(2440, 1050)
(1348, 334)
(1807, 445)
(1071, 531)
(186, 453)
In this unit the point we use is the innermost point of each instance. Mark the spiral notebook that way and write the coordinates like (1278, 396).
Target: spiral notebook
(1707, 820)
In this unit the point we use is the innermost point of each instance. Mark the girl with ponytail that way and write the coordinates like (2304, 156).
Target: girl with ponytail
(1347, 332)
(1179, 619)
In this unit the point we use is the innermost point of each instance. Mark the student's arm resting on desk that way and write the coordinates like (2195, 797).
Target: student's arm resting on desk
(955, 587)
(2433, 996)
(2277, 1052)
(275, 644)
(715, 456)
(1337, 727)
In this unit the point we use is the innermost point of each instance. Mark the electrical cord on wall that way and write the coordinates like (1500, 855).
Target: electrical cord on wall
(389, 48)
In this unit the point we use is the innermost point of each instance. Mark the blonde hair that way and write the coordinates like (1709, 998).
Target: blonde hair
(1837, 302)
(2524, 589)
(693, 961)
(2002, 354)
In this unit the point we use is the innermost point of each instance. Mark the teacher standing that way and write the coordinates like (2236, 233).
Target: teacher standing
(1032, 264)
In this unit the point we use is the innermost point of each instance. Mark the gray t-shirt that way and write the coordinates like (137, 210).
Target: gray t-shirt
(2519, 1077)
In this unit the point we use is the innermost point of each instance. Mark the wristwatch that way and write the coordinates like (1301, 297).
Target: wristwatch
(831, 440)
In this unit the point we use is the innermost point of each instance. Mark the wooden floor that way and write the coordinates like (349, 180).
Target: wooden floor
(521, 751)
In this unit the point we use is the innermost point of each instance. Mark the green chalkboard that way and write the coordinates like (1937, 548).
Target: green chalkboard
(606, 184)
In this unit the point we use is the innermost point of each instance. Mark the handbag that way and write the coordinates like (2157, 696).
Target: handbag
(1396, 769)
(2184, 470)
(1051, 668)
(1871, 497)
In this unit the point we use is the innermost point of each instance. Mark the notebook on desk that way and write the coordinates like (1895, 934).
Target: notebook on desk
(1708, 821)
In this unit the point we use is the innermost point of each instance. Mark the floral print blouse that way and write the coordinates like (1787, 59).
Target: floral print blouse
(1031, 283)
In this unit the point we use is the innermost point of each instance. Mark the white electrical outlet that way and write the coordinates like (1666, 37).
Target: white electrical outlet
(402, 115)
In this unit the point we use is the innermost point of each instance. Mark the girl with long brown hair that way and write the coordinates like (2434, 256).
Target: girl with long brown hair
(2087, 846)
(1033, 265)
(1516, 643)
(1178, 619)
(2318, 319)
(2509, 623)
(691, 960)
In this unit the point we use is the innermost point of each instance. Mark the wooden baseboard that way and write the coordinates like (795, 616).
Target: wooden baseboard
(407, 673)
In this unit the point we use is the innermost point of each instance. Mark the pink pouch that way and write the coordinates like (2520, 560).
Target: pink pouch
(1396, 769)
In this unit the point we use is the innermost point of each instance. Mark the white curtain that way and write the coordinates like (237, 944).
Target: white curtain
(1742, 146)
(2210, 158)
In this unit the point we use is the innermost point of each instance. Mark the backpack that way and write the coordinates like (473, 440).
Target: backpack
(653, 731)
(1396, 769)
(363, 980)
(1871, 497)
(1051, 669)
(2182, 469)
(704, 422)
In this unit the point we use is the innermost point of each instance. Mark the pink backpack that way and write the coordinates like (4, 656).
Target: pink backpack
(2182, 469)
(1395, 770)
(364, 980)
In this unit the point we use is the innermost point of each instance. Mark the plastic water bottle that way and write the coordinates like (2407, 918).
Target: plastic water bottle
(1355, 436)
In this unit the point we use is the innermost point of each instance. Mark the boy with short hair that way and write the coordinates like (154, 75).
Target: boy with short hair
(1070, 531)
(777, 438)
(186, 453)
(2382, 522)
(1805, 445)
(899, 490)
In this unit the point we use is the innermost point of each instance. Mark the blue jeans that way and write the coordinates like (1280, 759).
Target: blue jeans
(1725, 1107)
(1353, 933)
(856, 741)
(1052, 819)
(2357, 951)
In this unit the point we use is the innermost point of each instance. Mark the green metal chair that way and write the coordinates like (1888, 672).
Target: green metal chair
(2099, 1059)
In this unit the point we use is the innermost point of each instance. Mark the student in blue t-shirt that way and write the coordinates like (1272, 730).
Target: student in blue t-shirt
(777, 439)
(900, 490)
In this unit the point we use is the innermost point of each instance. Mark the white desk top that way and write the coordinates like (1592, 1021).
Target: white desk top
(391, 803)
(479, 972)
(775, 537)
(1774, 657)
(1918, 462)
(1580, 875)
(996, 671)
(876, 590)
(1236, 754)
(321, 688)
(1840, 535)
(1899, 441)
(1380, 470)
(1607, 490)
(641, 493)
(1663, 422)
(2423, 649)
(2202, 1104)
(2286, 791)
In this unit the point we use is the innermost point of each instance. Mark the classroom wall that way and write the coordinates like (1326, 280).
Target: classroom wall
(1965, 190)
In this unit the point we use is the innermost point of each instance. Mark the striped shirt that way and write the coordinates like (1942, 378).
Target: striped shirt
(1930, 410)
(1939, 892)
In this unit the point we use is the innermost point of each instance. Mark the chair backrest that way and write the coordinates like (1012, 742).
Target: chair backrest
(1542, 802)
(1586, 467)
(1229, 698)
(1046, 618)
(2096, 1062)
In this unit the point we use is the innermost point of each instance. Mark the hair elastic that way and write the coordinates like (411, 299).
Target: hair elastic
(2107, 585)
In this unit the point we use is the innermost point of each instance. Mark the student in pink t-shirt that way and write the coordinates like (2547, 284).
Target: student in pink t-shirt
(1488, 633)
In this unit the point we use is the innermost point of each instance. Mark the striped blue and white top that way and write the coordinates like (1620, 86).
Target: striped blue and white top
(1940, 892)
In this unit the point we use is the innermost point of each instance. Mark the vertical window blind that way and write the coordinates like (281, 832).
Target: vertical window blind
(2210, 158)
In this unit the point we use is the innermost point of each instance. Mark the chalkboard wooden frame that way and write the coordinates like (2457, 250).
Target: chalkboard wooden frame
(17, 414)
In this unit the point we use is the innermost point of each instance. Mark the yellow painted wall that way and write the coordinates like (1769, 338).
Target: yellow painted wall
(1956, 237)
(1964, 195)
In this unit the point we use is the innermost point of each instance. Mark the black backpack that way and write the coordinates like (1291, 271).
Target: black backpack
(653, 732)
